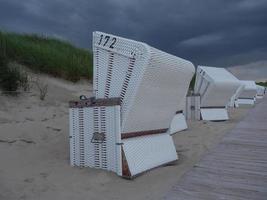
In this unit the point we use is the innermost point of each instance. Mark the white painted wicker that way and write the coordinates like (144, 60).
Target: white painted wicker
(85, 151)
(147, 152)
(178, 124)
(152, 84)
(216, 86)
(152, 87)
(260, 92)
(193, 107)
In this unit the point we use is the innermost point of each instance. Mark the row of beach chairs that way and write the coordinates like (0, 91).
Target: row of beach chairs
(139, 102)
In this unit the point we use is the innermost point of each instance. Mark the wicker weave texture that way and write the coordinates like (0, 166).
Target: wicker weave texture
(86, 150)
(216, 86)
(147, 152)
(152, 84)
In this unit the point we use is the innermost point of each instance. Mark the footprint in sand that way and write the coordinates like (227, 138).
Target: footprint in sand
(28, 180)
(5, 121)
(45, 119)
(182, 150)
(29, 119)
(54, 129)
(43, 174)
(27, 141)
(8, 141)
(14, 141)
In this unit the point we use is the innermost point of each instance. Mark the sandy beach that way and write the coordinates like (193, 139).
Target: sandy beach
(34, 151)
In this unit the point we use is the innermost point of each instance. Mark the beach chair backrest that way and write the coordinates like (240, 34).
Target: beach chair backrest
(152, 84)
(216, 86)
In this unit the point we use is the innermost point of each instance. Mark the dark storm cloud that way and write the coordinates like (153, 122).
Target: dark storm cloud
(211, 32)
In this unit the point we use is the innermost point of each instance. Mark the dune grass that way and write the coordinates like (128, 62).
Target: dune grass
(264, 84)
(48, 55)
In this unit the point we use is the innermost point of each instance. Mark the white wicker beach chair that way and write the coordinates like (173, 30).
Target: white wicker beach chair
(138, 91)
(216, 86)
(248, 95)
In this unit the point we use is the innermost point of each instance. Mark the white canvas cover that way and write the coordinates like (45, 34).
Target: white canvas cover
(260, 92)
(152, 84)
(215, 86)
(249, 93)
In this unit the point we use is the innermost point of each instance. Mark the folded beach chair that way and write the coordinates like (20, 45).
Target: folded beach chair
(248, 95)
(138, 90)
(215, 86)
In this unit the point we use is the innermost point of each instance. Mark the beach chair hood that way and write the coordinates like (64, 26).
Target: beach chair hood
(215, 86)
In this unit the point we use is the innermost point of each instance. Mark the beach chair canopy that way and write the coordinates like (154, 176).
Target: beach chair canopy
(216, 86)
(152, 84)
(250, 89)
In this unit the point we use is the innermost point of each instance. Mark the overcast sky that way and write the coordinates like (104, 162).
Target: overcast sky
(207, 32)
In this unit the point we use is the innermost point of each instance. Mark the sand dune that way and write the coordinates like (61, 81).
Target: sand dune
(34, 151)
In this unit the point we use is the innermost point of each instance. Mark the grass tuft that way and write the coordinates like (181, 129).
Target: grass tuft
(48, 55)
